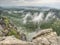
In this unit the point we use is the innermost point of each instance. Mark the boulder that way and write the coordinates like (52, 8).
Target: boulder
(45, 37)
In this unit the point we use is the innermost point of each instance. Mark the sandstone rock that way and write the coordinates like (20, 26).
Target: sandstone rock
(58, 38)
(45, 37)
(42, 32)
(11, 40)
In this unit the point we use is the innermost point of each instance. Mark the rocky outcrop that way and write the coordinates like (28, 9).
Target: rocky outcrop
(11, 40)
(7, 28)
(58, 38)
(44, 37)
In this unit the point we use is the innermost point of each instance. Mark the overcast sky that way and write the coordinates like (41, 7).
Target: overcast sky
(49, 3)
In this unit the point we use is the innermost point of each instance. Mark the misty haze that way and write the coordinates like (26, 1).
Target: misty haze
(29, 22)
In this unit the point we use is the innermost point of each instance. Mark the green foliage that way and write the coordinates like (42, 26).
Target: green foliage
(14, 32)
(9, 27)
(46, 25)
(56, 26)
(6, 21)
(30, 26)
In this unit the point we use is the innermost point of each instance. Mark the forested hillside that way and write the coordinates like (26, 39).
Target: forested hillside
(33, 19)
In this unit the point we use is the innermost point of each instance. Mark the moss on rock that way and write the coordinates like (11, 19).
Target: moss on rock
(9, 28)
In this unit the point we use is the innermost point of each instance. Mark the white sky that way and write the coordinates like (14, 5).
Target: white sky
(51, 3)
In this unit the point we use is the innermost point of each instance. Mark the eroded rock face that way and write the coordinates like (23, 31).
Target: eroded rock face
(11, 40)
(45, 37)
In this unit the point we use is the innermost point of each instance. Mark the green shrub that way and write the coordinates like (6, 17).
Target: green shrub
(46, 25)
(56, 26)
(14, 32)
